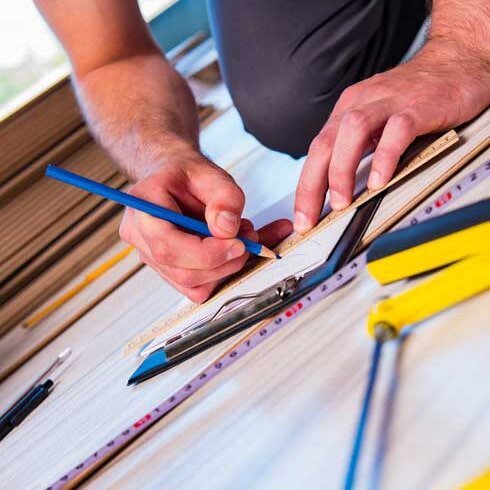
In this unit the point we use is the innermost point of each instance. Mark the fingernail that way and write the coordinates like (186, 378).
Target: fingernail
(301, 222)
(227, 221)
(375, 180)
(236, 250)
(338, 201)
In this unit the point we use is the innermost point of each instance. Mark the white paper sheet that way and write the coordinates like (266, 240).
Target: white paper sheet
(307, 255)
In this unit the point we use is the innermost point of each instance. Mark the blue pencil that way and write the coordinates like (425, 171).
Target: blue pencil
(115, 195)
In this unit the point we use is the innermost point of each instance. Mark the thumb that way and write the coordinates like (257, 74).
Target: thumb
(223, 201)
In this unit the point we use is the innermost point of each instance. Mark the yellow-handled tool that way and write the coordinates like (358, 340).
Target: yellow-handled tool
(459, 240)
(431, 244)
(447, 288)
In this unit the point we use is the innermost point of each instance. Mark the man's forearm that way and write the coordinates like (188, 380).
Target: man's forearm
(464, 27)
(141, 111)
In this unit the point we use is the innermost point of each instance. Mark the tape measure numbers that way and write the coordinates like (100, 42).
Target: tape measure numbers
(256, 337)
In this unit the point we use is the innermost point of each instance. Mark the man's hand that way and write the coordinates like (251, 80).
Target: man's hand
(143, 113)
(194, 186)
(445, 85)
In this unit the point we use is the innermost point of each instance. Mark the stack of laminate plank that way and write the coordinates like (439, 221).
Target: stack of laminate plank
(51, 232)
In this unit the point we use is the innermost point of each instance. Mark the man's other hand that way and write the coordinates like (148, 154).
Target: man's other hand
(439, 89)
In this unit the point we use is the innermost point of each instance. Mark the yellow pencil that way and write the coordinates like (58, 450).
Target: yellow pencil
(34, 319)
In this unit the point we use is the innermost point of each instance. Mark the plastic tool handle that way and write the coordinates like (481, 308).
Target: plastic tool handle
(39, 394)
(449, 287)
(432, 229)
(431, 244)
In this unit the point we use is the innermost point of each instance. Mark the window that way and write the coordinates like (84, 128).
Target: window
(30, 56)
(31, 59)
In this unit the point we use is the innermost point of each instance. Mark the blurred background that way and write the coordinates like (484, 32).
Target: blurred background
(31, 59)
(50, 236)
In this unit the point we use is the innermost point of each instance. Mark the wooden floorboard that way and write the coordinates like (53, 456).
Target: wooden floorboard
(282, 416)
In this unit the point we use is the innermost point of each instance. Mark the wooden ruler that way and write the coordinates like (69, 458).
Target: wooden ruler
(426, 191)
(75, 476)
(436, 148)
(291, 243)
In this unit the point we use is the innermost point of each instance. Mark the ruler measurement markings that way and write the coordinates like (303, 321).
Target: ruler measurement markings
(291, 243)
(257, 336)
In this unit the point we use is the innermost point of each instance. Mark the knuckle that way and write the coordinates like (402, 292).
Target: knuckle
(350, 93)
(240, 197)
(357, 119)
(377, 89)
(312, 185)
(161, 254)
(306, 191)
(326, 137)
(419, 101)
(154, 187)
(340, 182)
(226, 190)
(316, 145)
(353, 93)
(211, 258)
(185, 278)
(239, 194)
(404, 121)
(237, 265)
(250, 233)
(337, 187)
(321, 142)
(385, 154)
(337, 173)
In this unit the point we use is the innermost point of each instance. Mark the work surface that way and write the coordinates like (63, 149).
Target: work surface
(281, 417)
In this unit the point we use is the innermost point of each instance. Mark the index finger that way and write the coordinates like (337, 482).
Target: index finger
(313, 182)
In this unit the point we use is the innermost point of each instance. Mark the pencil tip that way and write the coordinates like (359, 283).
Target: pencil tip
(278, 257)
(267, 253)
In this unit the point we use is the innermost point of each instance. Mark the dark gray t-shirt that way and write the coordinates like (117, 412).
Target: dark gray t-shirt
(286, 62)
